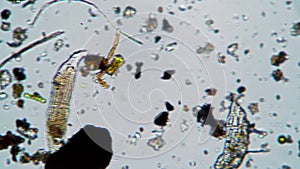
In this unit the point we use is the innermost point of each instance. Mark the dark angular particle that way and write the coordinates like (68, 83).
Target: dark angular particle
(166, 26)
(276, 60)
(9, 140)
(161, 119)
(169, 106)
(5, 14)
(203, 113)
(19, 73)
(241, 89)
(277, 75)
(22, 124)
(168, 74)
(137, 75)
(157, 39)
(90, 148)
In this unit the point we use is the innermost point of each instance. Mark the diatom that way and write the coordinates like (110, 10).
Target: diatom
(59, 105)
(35, 96)
(237, 140)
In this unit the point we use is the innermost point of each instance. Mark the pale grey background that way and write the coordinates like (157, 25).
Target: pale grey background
(202, 70)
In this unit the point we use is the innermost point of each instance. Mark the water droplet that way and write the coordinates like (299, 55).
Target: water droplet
(155, 56)
(3, 95)
(6, 107)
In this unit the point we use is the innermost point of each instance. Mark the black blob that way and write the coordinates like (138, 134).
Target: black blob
(166, 76)
(203, 113)
(161, 119)
(5, 14)
(169, 106)
(19, 73)
(137, 75)
(241, 89)
(157, 39)
(90, 148)
(22, 124)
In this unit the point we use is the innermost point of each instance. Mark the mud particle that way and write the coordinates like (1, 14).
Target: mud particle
(211, 91)
(278, 59)
(83, 150)
(19, 74)
(277, 75)
(5, 14)
(169, 106)
(161, 119)
(168, 74)
(241, 89)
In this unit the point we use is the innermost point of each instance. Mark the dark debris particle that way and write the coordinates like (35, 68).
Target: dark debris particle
(203, 113)
(241, 89)
(220, 130)
(211, 91)
(168, 74)
(25, 158)
(137, 75)
(246, 51)
(278, 97)
(141, 129)
(117, 10)
(22, 124)
(14, 151)
(19, 73)
(89, 148)
(5, 14)
(277, 75)
(284, 166)
(17, 90)
(23, 128)
(40, 155)
(278, 59)
(9, 140)
(157, 39)
(169, 106)
(138, 70)
(161, 119)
